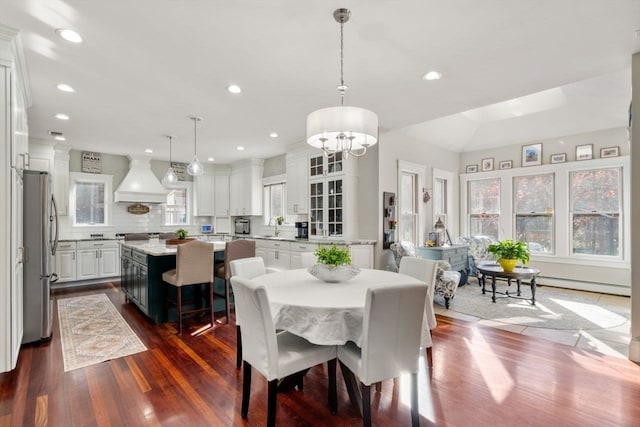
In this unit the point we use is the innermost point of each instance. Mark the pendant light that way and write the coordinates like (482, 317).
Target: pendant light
(349, 130)
(170, 176)
(195, 167)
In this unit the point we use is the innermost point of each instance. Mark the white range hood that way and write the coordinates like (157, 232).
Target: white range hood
(140, 185)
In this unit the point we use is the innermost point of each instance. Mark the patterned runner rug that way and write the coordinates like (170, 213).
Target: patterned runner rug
(93, 331)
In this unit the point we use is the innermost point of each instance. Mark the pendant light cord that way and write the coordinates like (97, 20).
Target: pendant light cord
(342, 86)
(195, 136)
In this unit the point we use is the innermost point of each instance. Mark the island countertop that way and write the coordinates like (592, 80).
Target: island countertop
(159, 248)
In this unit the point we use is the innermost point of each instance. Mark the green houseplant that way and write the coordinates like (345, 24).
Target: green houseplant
(181, 233)
(508, 252)
(333, 265)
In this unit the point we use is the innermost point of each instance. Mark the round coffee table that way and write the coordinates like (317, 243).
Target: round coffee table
(518, 274)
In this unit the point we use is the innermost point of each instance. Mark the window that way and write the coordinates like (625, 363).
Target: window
(90, 199)
(533, 209)
(596, 211)
(440, 199)
(408, 225)
(274, 201)
(484, 208)
(175, 210)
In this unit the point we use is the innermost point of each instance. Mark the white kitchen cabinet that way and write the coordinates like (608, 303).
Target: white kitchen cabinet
(245, 188)
(221, 195)
(61, 179)
(14, 137)
(65, 262)
(332, 191)
(297, 181)
(295, 251)
(204, 186)
(97, 259)
(278, 255)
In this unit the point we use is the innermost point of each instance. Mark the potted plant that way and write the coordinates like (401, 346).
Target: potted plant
(181, 235)
(333, 264)
(508, 252)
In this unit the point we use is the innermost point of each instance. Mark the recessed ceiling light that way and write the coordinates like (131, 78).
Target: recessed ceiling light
(65, 87)
(211, 159)
(234, 88)
(148, 150)
(432, 75)
(60, 138)
(69, 35)
(239, 148)
(273, 134)
(61, 116)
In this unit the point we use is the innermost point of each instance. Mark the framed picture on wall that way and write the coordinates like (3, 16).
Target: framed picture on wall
(559, 158)
(532, 154)
(487, 164)
(506, 164)
(584, 152)
(472, 168)
(609, 152)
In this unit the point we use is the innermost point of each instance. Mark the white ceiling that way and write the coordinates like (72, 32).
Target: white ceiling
(146, 65)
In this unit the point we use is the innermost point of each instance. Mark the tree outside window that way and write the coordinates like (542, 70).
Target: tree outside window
(484, 208)
(175, 209)
(596, 211)
(533, 197)
(274, 202)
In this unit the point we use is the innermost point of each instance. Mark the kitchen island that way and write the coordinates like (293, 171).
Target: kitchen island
(141, 266)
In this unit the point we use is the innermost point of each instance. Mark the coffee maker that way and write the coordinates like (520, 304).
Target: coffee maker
(302, 230)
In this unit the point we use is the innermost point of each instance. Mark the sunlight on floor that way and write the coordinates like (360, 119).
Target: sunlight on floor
(592, 312)
(497, 379)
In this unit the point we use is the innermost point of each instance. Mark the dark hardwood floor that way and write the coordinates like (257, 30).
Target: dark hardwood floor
(481, 377)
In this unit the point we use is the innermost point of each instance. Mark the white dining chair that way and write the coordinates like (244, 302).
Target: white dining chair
(390, 342)
(425, 270)
(275, 356)
(247, 268)
(307, 259)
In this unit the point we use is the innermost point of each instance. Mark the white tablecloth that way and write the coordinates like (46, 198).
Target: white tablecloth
(326, 313)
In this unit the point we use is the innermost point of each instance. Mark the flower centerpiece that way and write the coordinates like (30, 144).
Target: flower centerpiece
(334, 265)
(508, 252)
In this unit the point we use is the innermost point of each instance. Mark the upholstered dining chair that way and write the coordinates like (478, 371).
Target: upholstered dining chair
(275, 356)
(235, 249)
(194, 266)
(392, 314)
(425, 270)
(247, 268)
(167, 236)
(307, 259)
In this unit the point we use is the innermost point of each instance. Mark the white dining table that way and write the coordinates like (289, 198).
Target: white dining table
(326, 313)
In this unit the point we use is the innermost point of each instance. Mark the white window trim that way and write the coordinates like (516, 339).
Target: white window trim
(420, 171)
(562, 208)
(107, 180)
(453, 217)
(189, 187)
(271, 180)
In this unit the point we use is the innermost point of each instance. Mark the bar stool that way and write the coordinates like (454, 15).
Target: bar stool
(235, 249)
(194, 266)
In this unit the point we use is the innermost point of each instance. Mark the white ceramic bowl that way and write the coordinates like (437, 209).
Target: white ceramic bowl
(332, 274)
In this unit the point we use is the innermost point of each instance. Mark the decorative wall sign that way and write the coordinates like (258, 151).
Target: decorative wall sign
(506, 164)
(584, 152)
(180, 169)
(609, 152)
(91, 162)
(138, 209)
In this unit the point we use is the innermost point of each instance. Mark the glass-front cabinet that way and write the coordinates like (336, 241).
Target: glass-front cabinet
(331, 184)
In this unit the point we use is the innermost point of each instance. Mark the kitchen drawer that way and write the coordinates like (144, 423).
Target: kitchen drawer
(276, 244)
(126, 252)
(139, 257)
(97, 244)
(66, 246)
(302, 247)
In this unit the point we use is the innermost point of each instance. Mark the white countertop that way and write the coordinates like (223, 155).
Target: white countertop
(158, 248)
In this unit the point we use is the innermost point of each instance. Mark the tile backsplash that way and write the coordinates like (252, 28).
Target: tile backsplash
(124, 222)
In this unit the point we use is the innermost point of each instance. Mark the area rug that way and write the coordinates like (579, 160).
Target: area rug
(555, 308)
(93, 331)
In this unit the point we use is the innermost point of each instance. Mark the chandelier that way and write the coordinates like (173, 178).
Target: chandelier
(195, 167)
(349, 130)
(170, 175)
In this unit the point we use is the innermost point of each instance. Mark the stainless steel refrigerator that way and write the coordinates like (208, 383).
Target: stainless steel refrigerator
(40, 241)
